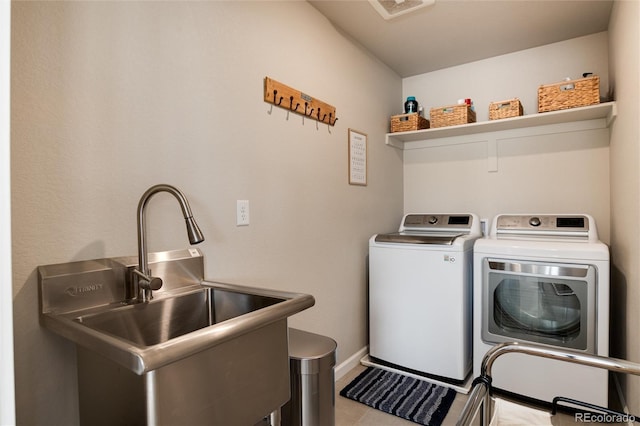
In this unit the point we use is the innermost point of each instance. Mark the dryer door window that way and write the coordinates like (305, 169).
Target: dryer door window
(542, 303)
(537, 307)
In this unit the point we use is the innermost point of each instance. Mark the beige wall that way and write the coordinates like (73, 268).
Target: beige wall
(624, 46)
(111, 98)
(562, 173)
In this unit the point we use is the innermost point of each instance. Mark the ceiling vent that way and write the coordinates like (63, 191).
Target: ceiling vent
(390, 9)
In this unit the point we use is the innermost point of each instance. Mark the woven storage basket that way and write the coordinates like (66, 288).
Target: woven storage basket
(569, 94)
(452, 115)
(407, 122)
(505, 109)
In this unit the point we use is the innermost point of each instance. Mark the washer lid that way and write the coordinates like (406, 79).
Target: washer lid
(417, 238)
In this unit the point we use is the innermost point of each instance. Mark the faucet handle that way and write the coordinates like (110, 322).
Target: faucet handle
(155, 283)
(148, 281)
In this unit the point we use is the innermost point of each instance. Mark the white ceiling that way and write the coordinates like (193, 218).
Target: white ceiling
(454, 32)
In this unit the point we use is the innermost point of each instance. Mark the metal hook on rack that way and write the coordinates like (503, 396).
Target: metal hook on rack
(291, 104)
(334, 121)
(318, 116)
(275, 93)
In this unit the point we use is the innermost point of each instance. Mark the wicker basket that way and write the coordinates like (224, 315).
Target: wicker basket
(505, 109)
(408, 122)
(452, 115)
(569, 94)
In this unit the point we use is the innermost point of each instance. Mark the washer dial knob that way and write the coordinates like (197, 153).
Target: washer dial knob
(534, 221)
(432, 220)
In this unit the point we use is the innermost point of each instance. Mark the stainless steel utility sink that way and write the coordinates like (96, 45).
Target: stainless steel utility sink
(148, 324)
(200, 352)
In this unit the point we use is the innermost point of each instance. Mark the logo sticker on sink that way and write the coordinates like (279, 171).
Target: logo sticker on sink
(80, 290)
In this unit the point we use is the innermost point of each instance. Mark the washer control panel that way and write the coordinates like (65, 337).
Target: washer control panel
(436, 221)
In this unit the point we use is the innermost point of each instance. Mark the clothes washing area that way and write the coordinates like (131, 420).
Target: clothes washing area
(420, 297)
(440, 297)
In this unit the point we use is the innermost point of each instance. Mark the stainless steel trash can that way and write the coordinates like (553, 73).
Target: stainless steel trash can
(312, 359)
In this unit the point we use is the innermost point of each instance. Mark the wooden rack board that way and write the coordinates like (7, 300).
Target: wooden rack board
(296, 101)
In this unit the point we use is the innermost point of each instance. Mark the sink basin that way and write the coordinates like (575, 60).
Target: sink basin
(146, 336)
(161, 320)
(200, 352)
(86, 302)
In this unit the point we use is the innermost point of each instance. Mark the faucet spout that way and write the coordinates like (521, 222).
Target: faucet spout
(145, 283)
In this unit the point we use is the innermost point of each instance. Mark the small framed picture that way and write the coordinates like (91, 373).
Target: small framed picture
(357, 158)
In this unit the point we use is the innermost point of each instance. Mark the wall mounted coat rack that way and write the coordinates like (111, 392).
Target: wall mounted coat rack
(286, 97)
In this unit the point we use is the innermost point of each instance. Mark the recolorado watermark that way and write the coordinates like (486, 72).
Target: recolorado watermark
(604, 418)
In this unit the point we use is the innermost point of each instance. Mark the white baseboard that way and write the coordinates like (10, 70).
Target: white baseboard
(463, 388)
(350, 363)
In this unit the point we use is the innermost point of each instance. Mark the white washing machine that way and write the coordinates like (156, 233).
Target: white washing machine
(420, 297)
(543, 279)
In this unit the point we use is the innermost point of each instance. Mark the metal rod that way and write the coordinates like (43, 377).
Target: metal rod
(474, 402)
(574, 357)
(480, 395)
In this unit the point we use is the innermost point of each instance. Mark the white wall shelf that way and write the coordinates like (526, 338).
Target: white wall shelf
(570, 120)
(533, 124)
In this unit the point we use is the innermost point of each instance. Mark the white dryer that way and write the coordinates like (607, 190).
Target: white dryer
(543, 279)
(420, 298)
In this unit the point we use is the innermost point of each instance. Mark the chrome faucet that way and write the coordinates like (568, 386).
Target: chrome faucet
(144, 282)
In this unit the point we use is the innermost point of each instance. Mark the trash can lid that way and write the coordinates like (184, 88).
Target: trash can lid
(309, 350)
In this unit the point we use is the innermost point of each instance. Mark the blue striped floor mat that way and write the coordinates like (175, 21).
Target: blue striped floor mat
(406, 397)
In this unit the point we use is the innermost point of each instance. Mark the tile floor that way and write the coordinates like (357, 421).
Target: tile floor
(351, 413)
